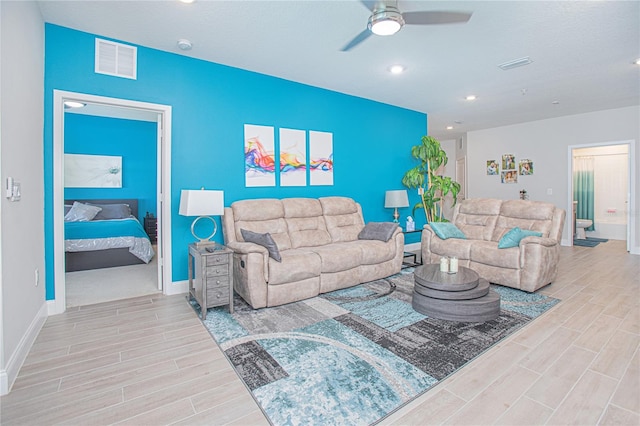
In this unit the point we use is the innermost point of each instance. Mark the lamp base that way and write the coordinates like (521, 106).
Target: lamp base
(396, 215)
(205, 243)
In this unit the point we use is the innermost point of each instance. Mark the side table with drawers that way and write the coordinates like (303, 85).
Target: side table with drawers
(211, 276)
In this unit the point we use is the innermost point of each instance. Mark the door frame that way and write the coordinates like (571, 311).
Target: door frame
(631, 195)
(163, 186)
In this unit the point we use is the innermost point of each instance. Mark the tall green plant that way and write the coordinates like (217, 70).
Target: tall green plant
(433, 188)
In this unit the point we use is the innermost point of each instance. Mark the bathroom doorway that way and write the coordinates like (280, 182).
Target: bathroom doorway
(605, 198)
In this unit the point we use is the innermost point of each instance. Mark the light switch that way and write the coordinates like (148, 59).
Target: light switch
(549, 191)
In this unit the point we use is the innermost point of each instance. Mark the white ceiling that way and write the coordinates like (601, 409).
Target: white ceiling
(582, 51)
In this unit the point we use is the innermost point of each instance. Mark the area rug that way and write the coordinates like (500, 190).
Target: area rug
(589, 242)
(353, 356)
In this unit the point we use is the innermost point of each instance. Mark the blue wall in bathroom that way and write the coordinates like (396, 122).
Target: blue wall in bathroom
(211, 103)
(135, 141)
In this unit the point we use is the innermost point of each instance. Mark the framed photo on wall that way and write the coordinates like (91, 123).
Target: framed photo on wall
(508, 162)
(492, 167)
(526, 167)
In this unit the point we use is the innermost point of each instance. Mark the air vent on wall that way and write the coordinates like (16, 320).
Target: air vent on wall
(116, 59)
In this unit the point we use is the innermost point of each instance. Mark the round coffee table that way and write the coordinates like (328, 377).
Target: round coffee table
(462, 296)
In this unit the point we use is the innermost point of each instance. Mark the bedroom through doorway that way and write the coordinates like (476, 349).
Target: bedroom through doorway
(110, 159)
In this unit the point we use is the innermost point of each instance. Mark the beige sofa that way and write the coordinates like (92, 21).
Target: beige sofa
(318, 244)
(529, 266)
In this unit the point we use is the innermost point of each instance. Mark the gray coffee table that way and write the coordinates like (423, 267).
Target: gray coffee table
(463, 296)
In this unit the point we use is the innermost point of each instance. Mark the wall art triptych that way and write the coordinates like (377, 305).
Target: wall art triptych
(292, 159)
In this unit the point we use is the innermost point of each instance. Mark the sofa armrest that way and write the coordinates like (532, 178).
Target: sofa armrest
(543, 241)
(246, 248)
(425, 243)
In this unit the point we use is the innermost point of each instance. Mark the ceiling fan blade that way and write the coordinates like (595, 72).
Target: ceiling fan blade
(356, 40)
(435, 18)
(369, 4)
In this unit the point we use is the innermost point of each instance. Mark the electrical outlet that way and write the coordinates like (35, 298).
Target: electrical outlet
(549, 191)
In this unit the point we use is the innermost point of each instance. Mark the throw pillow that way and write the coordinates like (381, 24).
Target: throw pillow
(265, 240)
(378, 231)
(81, 212)
(513, 237)
(445, 230)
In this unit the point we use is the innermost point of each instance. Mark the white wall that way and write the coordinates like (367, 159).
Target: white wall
(546, 143)
(21, 157)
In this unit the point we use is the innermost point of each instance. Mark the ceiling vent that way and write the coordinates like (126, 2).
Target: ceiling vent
(515, 63)
(116, 59)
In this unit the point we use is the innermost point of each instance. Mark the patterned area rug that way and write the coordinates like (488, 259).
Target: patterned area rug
(353, 356)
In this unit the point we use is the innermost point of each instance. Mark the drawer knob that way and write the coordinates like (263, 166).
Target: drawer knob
(217, 281)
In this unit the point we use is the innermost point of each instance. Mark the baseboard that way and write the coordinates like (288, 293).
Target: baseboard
(177, 287)
(635, 250)
(17, 358)
(412, 247)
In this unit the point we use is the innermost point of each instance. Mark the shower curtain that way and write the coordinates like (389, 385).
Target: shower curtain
(583, 188)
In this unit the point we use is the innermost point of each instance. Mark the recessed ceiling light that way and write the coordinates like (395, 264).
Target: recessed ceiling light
(184, 44)
(449, 127)
(555, 102)
(397, 69)
(471, 98)
(186, 1)
(73, 104)
(637, 61)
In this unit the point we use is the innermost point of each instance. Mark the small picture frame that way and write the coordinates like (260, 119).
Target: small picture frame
(508, 162)
(492, 167)
(525, 167)
(509, 176)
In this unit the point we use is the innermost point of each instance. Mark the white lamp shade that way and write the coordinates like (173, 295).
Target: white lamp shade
(397, 198)
(201, 203)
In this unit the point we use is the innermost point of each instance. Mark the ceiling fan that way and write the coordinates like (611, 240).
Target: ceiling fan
(386, 19)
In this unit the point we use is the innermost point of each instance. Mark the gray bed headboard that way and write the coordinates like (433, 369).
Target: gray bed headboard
(132, 202)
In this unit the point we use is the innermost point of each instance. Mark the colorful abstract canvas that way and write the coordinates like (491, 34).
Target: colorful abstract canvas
(293, 157)
(259, 156)
(320, 158)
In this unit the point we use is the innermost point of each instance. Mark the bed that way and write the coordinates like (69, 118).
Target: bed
(111, 237)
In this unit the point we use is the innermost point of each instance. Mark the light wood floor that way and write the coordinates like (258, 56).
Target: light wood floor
(149, 360)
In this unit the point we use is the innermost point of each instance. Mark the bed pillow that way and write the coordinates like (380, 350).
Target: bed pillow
(67, 208)
(265, 240)
(513, 237)
(445, 230)
(81, 212)
(112, 211)
(378, 231)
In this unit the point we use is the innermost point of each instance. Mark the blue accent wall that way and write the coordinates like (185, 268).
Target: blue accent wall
(210, 105)
(135, 141)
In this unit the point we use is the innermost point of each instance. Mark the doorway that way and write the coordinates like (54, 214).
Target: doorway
(120, 108)
(605, 188)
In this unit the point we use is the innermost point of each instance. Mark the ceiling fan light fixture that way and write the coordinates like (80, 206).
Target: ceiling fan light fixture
(386, 22)
(396, 69)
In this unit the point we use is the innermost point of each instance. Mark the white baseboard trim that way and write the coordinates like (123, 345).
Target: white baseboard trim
(17, 358)
(177, 287)
(635, 250)
(412, 247)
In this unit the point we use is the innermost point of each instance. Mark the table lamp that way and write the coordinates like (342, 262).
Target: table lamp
(204, 204)
(395, 199)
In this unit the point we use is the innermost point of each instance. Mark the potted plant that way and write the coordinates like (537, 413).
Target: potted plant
(432, 187)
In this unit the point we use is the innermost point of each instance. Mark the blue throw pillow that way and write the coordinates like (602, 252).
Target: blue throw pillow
(446, 230)
(513, 237)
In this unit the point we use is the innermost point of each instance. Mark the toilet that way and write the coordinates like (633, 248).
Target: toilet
(581, 224)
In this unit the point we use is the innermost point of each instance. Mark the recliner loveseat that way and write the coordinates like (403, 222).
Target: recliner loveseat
(532, 264)
(317, 240)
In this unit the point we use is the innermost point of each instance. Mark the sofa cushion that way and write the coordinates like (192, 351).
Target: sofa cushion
(261, 216)
(337, 257)
(488, 253)
(446, 230)
(375, 251)
(305, 222)
(296, 265)
(343, 218)
(265, 240)
(513, 237)
(381, 231)
(477, 217)
(526, 215)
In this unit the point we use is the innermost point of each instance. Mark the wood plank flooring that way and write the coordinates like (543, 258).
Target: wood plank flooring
(150, 361)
